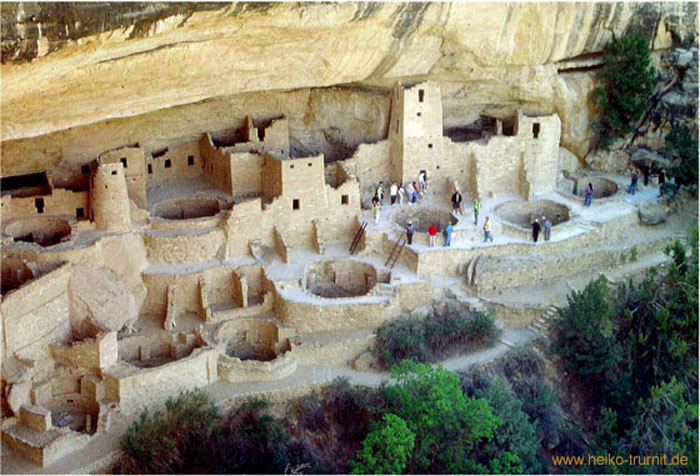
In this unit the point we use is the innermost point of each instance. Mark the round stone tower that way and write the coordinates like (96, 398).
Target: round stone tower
(109, 199)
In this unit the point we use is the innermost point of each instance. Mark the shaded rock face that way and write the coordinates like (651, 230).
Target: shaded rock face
(31, 30)
(153, 73)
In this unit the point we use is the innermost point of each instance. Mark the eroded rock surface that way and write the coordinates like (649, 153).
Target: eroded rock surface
(73, 65)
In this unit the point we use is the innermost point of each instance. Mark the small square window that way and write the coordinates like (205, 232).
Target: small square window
(114, 172)
(190, 160)
(150, 168)
(344, 199)
(419, 114)
(295, 204)
(80, 212)
(310, 164)
(168, 163)
(291, 166)
(85, 169)
(123, 161)
(430, 146)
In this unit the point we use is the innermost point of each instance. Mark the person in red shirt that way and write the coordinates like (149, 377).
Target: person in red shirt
(432, 231)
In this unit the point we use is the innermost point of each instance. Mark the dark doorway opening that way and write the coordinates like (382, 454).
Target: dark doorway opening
(39, 204)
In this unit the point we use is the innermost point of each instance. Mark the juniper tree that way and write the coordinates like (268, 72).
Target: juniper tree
(628, 79)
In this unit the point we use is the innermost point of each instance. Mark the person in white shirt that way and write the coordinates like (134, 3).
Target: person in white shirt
(393, 190)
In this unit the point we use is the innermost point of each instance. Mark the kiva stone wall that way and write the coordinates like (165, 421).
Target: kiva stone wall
(136, 388)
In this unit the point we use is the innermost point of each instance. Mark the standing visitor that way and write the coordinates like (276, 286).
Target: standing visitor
(633, 184)
(393, 190)
(456, 201)
(432, 232)
(448, 234)
(589, 195)
(535, 230)
(401, 192)
(476, 206)
(376, 207)
(409, 231)
(421, 183)
(547, 225)
(409, 192)
(379, 193)
(487, 230)
(415, 192)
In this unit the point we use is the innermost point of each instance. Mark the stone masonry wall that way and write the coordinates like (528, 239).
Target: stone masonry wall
(36, 315)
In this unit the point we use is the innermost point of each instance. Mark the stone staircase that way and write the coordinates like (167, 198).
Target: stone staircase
(541, 324)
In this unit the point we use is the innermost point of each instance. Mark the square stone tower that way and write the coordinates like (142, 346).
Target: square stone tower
(415, 130)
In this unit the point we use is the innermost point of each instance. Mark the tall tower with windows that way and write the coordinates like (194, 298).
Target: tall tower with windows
(415, 130)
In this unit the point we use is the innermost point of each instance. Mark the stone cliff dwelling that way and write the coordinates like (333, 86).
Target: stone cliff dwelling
(227, 260)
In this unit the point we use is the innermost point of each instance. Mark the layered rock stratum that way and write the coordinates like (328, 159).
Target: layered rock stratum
(81, 78)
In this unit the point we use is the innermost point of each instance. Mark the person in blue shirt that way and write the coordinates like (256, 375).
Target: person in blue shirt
(448, 234)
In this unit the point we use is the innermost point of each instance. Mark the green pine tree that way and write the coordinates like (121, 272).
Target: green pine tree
(628, 79)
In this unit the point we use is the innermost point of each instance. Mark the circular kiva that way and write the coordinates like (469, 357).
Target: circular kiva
(43, 231)
(422, 217)
(340, 278)
(523, 213)
(601, 187)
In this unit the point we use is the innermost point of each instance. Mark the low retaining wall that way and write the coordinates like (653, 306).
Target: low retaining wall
(233, 369)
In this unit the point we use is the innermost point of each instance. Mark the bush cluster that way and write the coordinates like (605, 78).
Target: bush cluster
(162, 442)
(438, 336)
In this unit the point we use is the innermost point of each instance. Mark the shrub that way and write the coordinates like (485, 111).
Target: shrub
(447, 424)
(515, 434)
(634, 254)
(161, 442)
(386, 449)
(351, 408)
(583, 333)
(251, 440)
(482, 330)
(402, 339)
(440, 335)
(682, 148)
(448, 333)
(309, 412)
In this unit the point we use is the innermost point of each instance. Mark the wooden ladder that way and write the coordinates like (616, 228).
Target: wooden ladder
(358, 236)
(395, 252)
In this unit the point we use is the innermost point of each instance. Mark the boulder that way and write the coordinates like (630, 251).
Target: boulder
(99, 300)
(14, 371)
(652, 213)
(18, 396)
(366, 362)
